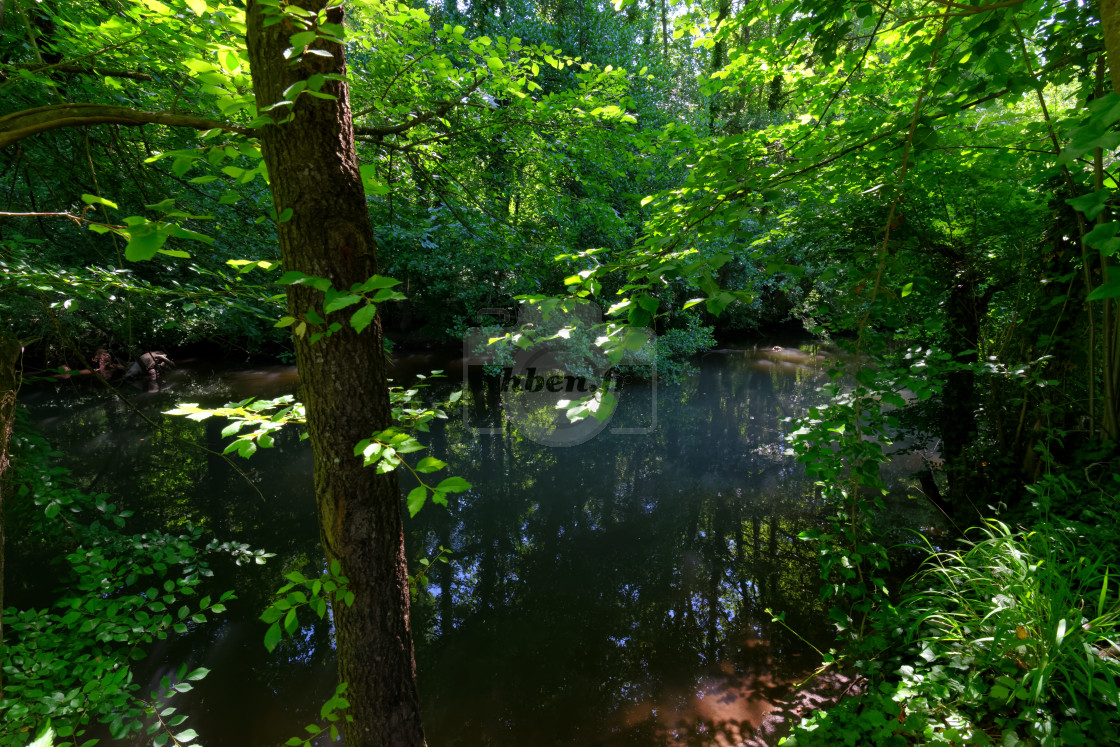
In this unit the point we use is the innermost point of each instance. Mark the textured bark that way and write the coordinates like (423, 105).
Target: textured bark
(313, 169)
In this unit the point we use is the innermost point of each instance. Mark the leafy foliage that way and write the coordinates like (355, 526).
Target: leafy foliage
(313, 594)
(70, 663)
(382, 450)
(1010, 641)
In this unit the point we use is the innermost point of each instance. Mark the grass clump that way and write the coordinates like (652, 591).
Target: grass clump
(1010, 639)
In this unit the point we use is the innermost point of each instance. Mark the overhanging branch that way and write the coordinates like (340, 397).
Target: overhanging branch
(71, 69)
(16, 127)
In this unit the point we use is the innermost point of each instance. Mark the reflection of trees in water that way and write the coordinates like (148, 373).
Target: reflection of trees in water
(252, 697)
(590, 587)
(621, 574)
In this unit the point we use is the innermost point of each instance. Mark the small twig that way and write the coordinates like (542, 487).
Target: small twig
(439, 111)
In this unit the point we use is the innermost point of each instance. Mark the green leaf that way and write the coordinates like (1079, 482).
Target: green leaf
(430, 464)
(46, 739)
(302, 39)
(95, 200)
(1091, 204)
(363, 317)
(291, 621)
(291, 277)
(374, 283)
(198, 6)
(416, 498)
(635, 340)
(186, 735)
(605, 407)
(1104, 238)
(340, 302)
(144, 242)
(272, 637)
(720, 301)
(454, 485)
(1111, 289)
(1097, 131)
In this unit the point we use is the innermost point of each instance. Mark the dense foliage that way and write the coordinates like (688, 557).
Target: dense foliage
(931, 183)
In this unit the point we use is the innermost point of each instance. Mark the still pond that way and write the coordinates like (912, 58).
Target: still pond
(613, 592)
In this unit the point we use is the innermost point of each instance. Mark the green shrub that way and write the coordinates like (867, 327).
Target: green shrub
(69, 663)
(1011, 639)
(677, 349)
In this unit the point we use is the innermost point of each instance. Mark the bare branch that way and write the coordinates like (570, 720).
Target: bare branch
(76, 218)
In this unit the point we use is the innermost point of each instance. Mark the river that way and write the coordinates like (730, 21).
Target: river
(611, 592)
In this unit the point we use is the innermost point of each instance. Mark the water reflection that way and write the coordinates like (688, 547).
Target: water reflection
(610, 593)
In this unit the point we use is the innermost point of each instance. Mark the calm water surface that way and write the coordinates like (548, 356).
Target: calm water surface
(610, 593)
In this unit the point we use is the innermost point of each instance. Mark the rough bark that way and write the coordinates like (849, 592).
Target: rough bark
(313, 169)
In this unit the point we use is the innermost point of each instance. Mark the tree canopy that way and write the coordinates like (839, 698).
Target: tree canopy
(932, 182)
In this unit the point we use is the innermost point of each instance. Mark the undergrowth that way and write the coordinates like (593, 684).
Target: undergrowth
(1010, 639)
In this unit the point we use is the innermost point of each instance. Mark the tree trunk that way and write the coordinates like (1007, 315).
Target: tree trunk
(719, 59)
(313, 169)
(1110, 24)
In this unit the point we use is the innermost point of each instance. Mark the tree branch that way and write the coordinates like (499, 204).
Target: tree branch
(72, 69)
(76, 218)
(963, 9)
(20, 125)
(439, 111)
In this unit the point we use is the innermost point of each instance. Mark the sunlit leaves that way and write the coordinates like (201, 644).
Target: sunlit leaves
(144, 241)
(331, 712)
(254, 423)
(419, 495)
(374, 290)
(1097, 131)
(300, 592)
(95, 200)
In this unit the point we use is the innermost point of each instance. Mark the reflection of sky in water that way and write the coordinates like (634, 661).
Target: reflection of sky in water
(609, 593)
